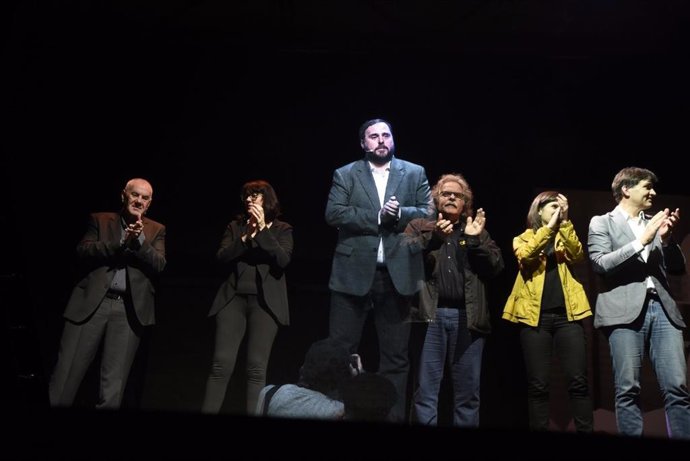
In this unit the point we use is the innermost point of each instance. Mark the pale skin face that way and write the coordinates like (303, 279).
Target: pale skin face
(378, 139)
(451, 201)
(255, 209)
(136, 199)
(547, 212)
(639, 197)
(553, 213)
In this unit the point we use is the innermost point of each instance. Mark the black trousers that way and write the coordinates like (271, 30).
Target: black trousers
(568, 339)
(114, 324)
(348, 315)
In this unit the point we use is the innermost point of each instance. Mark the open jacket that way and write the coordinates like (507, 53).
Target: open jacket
(524, 302)
(270, 251)
(353, 208)
(483, 261)
(623, 272)
(101, 253)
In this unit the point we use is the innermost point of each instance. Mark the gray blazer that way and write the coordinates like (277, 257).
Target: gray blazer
(623, 272)
(353, 207)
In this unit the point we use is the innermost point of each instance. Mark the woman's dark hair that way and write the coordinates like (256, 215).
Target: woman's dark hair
(271, 205)
(533, 218)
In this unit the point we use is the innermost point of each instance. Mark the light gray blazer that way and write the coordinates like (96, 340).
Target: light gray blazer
(623, 272)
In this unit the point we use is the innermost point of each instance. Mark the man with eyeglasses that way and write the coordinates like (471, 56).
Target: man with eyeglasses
(459, 255)
(370, 203)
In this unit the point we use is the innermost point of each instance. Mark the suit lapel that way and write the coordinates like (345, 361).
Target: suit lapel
(115, 228)
(625, 232)
(623, 228)
(395, 177)
(148, 231)
(365, 178)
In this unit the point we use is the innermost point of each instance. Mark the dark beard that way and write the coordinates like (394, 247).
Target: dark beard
(376, 160)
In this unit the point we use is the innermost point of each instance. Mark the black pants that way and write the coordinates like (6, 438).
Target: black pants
(114, 324)
(390, 309)
(568, 339)
(244, 315)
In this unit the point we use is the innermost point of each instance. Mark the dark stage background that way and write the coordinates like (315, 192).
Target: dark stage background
(200, 96)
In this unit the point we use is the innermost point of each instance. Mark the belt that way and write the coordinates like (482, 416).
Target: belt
(114, 295)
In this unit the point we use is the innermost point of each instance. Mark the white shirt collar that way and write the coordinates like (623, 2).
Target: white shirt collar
(640, 216)
(385, 167)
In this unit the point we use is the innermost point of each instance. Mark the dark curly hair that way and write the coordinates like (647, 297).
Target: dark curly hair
(369, 397)
(326, 366)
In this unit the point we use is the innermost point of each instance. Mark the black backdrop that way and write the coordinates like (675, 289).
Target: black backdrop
(199, 97)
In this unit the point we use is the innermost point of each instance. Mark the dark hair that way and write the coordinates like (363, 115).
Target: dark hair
(373, 121)
(326, 366)
(271, 205)
(467, 191)
(369, 397)
(630, 177)
(533, 218)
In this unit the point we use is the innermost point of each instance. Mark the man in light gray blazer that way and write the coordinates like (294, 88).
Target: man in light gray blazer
(632, 252)
(370, 203)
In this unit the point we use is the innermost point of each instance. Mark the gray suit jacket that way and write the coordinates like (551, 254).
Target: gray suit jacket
(353, 207)
(101, 253)
(623, 272)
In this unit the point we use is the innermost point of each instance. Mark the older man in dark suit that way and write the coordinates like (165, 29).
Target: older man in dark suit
(370, 203)
(631, 252)
(122, 255)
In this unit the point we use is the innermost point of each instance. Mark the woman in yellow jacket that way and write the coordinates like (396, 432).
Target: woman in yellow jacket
(549, 304)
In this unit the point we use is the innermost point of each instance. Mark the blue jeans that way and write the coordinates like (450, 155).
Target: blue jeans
(448, 340)
(665, 341)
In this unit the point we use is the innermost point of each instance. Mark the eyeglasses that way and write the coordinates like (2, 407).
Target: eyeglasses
(448, 194)
(253, 196)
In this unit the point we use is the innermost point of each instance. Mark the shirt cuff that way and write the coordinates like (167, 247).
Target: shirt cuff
(637, 246)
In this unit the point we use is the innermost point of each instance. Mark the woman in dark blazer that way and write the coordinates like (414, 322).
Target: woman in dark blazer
(256, 248)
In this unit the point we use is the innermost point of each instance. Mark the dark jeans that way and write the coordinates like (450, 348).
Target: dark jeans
(231, 324)
(347, 318)
(568, 338)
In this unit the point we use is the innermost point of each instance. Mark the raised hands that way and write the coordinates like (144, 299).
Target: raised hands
(563, 205)
(666, 227)
(661, 223)
(560, 214)
(443, 226)
(476, 226)
(473, 226)
(133, 230)
(390, 210)
(257, 220)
